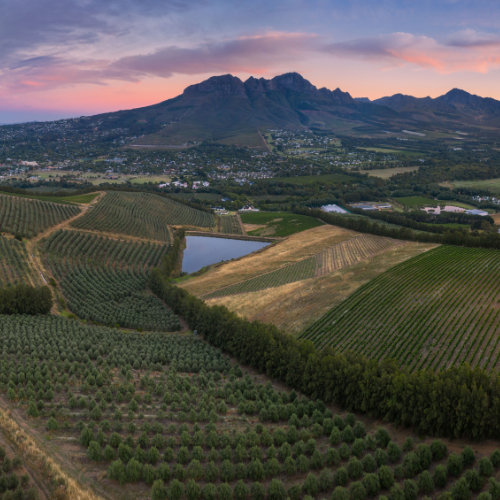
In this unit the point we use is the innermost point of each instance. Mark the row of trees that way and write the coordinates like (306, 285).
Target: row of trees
(459, 402)
(364, 225)
(25, 299)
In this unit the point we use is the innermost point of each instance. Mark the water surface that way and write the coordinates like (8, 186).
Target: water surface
(202, 251)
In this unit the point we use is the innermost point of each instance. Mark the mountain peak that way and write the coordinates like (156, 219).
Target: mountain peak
(221, 85)
(294, 82)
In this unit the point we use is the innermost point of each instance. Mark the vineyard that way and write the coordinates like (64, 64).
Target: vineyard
(28, 218)
(14, 263)
(230, 224)
(104, 279)
(171, 412)
(339, 256)
(437, 310)
(142, 215)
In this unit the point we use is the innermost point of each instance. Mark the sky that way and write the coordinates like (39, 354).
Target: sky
(64, 58)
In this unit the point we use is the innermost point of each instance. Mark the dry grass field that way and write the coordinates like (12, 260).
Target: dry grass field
(295, 306)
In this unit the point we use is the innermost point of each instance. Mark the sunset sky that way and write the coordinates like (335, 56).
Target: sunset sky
(62, 58)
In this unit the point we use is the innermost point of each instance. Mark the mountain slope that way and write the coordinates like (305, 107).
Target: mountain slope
(225, 108)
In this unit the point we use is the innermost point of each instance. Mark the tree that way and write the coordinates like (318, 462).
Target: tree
(340, 493)
(193, 491)
(369, 464)
(310, 485)
(372, 484)
(116, 471)
(241, 491)
(275, 491)
(454, 465)
(223, 492)
(94, 452)
(410, 489)
(226, 471)
(158, 492)
(382, 437)
(211, 472)
(175, 490)
(209, 492)
(134, 470)
(148, 474)
(394, 452)
(257, 491)
(354, 468)
(357, 491)
(440, 476)
(485, 467)
(425, 482)
(386, 477)
(468, 457)
(341, 476)
(439, 450)
(32, 409)
(396, 493)
(325, 482)
(52, 424)
(474, 480)
(86, 436)
(460, 490)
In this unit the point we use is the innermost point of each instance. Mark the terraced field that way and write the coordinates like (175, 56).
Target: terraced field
(142, 215)
(14, 263)
(436, 310)
(28, 218)
(342, 255)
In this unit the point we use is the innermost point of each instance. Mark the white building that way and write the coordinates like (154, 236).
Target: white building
(333, 208)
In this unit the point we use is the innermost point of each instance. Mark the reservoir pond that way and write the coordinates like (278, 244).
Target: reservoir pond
(202, 251)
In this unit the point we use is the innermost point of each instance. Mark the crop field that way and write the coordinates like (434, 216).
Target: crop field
(28, 218)
(230, 224)
(278, 224)
(104, 280)
(339, 256)
(142, 215)
(385, 173)
(308, 179)
(14, 264)
(167, 415)
(414, 201)
(437, 310)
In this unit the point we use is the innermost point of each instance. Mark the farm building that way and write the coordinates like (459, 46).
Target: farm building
(333, 208)
(364, 206)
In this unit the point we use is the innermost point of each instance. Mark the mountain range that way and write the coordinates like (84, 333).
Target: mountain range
(226, 109)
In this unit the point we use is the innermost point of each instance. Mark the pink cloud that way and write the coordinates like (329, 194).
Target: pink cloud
(465, 51)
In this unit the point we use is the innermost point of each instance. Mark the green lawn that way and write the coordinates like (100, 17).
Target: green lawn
(413, 201)
(278, 223)
(307, 179)
(490, 184)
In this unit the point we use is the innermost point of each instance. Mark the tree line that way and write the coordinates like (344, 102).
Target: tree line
(25, 299)
(365, 225)
(458, 402)
(169, 260)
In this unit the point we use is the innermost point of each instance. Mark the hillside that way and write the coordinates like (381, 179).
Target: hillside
(226, 109)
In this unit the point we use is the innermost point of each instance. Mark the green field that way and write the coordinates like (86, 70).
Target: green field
(414, 201)
(81, 198)
(385, 173)
(434, 311)
(278, 223)
(142, 215)
(394, 151)
(489, 184)
(65, 200)
(307, 179)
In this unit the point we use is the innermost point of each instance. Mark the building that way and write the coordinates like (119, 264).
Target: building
(333, 208)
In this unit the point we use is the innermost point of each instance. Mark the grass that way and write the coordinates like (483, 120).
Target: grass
(415, 201)
(385, 173)
(66, 200)
(295, 306)
(81, 198)
(296, 247)
(308, 179)
(278, 223)
(490, 184)
(434, 311)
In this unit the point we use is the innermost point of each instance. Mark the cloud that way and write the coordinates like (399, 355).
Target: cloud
(400, 49)
(252, 54)
(473, 39)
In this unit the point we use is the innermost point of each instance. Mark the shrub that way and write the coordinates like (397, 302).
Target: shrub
(381, 457)
(424, 454)
(394, 452)
(484, 496)
(372, 484)
(258, 491)
(439, 450)
(227, 471)
(460, 490)
(347, 434)
(359, 430)
(370, 442)
(241, 491)
(153, 455)
(193, 490)
(335, 436)
(495, 458)
(485, 467)
(211, 472)
(454, 465)
(411, 464)
(272, 467)
(311, 485)
(382, 437)
(494, 488)
(341, 476)
(332, 457)
(396, 493)
(468, 456)
(317, 460)
(340, 493)
(116, 471)
(358, 447)
(289, 467)
(344, 452)
(109, 453)
(52, 424)
(175, 490)
(209, 492)
(425, 482)
(386, 477)
(474, 480)
(275, 491)
(195, 470)
(94, 452)
(148, 474)
(354, 468)
(158, 492)
(163, 472)
(133, 470)
(325, 480)
(357, 491)
(369, 464)
(303, 463)
(440, 476)
(408, 444)
(410, 489)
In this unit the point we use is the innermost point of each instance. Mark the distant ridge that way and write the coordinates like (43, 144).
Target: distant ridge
(226, 109)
